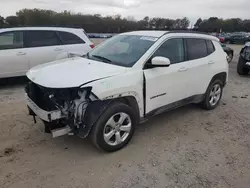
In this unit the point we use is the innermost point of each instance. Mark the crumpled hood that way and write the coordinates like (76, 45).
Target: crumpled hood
(72, 72)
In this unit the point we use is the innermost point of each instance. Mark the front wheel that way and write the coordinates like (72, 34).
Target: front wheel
(115, 128)
(213, 95)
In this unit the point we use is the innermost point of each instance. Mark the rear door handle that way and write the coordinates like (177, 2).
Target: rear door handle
(182, 69)
(58, 49)
(21, 53)
(211, 62)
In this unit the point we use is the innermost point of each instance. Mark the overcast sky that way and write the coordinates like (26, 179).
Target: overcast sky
(192, 9)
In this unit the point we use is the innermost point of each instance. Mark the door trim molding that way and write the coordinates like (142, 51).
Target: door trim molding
(177, 104)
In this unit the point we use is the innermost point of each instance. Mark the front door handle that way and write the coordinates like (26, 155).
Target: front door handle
(182, 69)
(21, 53)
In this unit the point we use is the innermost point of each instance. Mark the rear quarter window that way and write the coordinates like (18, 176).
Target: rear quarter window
(210, 47)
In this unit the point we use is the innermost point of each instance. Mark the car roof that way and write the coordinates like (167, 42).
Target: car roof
(147, 33)
(39, 28)
(158, 34)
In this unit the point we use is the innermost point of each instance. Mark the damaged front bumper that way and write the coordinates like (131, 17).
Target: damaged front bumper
(64, 111)
(42, 114)
(48, 117)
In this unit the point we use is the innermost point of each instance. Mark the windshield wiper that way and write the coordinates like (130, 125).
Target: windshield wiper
(102, 58)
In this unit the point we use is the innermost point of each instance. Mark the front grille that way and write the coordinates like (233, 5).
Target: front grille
(40, 96)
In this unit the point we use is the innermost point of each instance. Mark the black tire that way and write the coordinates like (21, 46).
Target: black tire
(241, 70)
(97, 132)
(206, 104)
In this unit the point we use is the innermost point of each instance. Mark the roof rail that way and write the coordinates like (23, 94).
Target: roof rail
(188, 31)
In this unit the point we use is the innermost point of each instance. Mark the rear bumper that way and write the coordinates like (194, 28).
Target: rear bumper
(42, 114)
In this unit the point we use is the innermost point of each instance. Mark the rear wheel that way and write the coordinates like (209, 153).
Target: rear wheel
(213, 95)
(115, 128)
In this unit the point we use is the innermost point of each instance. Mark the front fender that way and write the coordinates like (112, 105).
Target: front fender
(127, 84)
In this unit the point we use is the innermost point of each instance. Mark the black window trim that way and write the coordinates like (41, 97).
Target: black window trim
(26, 40)
(58, 35)
(13, 32)
(185, 48)
(208, 40)
(150, 56)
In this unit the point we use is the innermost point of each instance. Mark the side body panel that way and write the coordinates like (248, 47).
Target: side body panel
(127, 84)
(202, 70)
(13, 62)
(165, 85)
(45, 54)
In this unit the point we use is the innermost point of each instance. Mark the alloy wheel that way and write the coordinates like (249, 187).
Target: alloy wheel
(117, 129)
(215, 95)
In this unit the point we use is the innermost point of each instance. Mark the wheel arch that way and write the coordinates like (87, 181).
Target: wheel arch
(132, 99)
(131, 102)
(97, 108)
(219, 76)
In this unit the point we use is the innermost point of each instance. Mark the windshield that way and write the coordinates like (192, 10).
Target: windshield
(123, 50)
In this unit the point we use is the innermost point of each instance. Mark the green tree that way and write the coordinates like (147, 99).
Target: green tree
(12, 21)
(113, 24)
(1, 21)
(197, 24)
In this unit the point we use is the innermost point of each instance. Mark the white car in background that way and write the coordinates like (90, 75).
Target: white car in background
(26, 47)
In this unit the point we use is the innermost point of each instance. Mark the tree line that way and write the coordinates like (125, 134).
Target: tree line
(116, 24)
(215, 24)
(91, 23)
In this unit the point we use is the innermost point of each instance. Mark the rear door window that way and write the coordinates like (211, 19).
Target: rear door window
(69, 38)
(210, 47)
(11, 40)
(196, 48)
(42, 38)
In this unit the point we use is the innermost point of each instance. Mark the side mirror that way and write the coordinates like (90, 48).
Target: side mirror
(160, 62)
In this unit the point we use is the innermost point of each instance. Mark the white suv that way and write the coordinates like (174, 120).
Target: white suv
(24, 48)
(124, 81)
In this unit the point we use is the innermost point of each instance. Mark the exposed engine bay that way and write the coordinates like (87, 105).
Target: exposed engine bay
(72, 105)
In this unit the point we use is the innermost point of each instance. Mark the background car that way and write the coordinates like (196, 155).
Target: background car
(243, 66)
(237, 39)
(24, 48)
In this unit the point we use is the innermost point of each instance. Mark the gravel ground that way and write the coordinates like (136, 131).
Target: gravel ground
(186, 148)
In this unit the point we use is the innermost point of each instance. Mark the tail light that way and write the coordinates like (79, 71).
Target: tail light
(92, 45)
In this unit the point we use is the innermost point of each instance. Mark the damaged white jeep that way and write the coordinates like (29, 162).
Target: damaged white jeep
(124, 81)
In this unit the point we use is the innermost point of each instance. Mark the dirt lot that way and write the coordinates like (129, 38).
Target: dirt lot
(185, 148)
